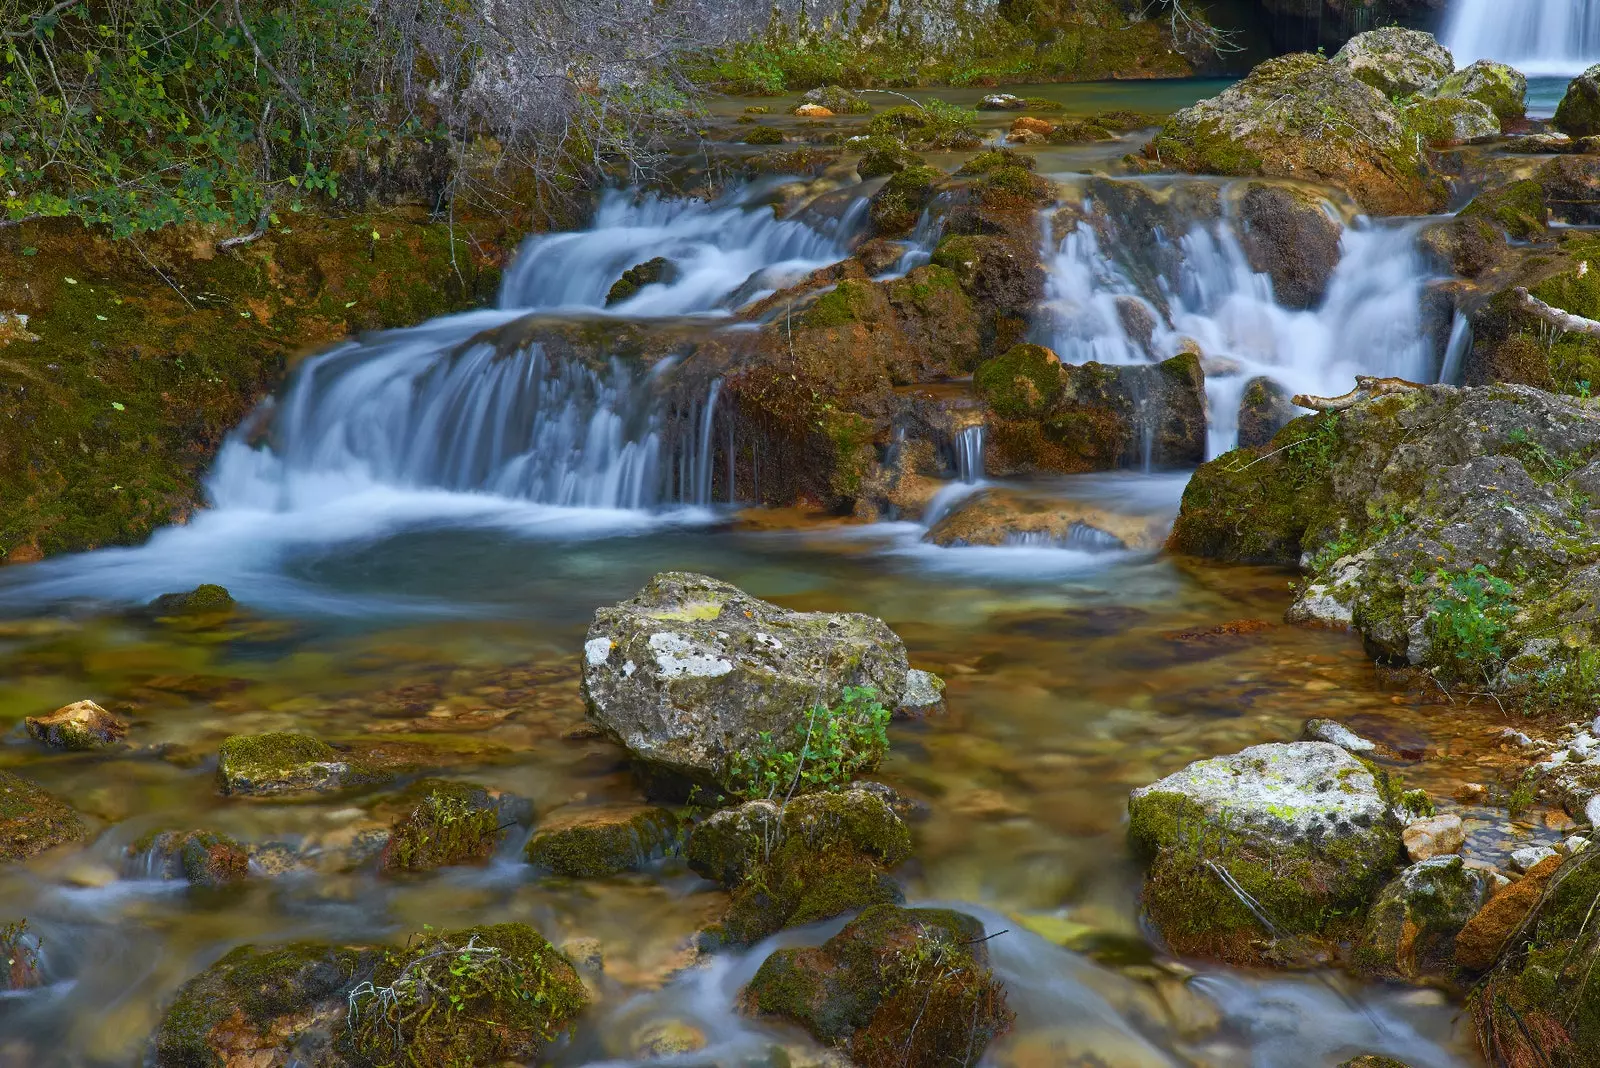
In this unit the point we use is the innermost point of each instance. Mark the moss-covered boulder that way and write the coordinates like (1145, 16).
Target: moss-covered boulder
(205, 599)
(82, 725)
(1578, 114)
(201, 857)
(1290, 235)
(480, 996)
(1450, 120)
(33, 820)
(593, 841)
(897, 986)
(1518, 208)
(933, 125)
(449, 823)
(837, 99)
(691, 674)
(1264, 409)
(1300, 116)
(1396, 61)
(1278, 840)
(898, 205)
(657, 271)
(881, 156)
(1541, 1004)
(1503, 88)
(257, 1001)
(763, 135)
(1016, 517)
(285, 763)
(1410, 933)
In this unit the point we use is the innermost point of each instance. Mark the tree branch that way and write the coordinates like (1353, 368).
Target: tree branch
(1557, 317)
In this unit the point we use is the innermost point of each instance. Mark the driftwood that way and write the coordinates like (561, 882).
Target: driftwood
(1557, 317)
(1367, 387)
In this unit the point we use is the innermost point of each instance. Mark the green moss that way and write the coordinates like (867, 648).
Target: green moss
(33, 820)
(285, 763)
(763, 135)
(1012, 186)
(994, 159)
(1207, 149)
(883, 155)
(484, 995)
(840, 306)
(1025, 381)
(1079, 132)
(592, 844)
(1445, 121)
(205, 599)
(898, 205)
(651, 272)
(1519, 208)
(452, 823)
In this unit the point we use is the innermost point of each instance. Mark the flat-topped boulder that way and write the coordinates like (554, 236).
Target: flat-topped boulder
(1396, 61)
(1279, 840)
(691, 673)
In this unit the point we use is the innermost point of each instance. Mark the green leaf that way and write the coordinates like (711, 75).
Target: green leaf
(118, 406)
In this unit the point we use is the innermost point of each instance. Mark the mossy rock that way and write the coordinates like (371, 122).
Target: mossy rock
(1264, 409)
(1541, 1004)
(883, 156)
(78, 727)
(1519, 209)
(1396, 61)
(1079, 132)
(507, 993)
(658, 271)
(995, 159)
(202, 858)
(763, 135)
(1503, 88)
(1410, 933)
(1012, 186)
(930, 127)
(254, 999)
(837, 99)
(1027, 381)
(896, 986)
(898, 205)
(1578, 114)
(593, 842)
(205, 599)
(33, 820)
(451, 823)
(1450, 120)
(284, 763)
(730, 846)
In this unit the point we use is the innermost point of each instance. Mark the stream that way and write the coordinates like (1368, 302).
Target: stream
(423, 522)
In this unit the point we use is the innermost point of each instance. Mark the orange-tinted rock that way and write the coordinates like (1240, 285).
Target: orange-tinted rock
(1480, 940)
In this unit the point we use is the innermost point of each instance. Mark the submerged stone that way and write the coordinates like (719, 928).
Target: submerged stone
(1276, 841)
(692, 672)
(1410, 934)
(82, 725)
(591, 842)
(33, 820)
(283, 763)
(205, 599)
(451, 823)
(895, 986)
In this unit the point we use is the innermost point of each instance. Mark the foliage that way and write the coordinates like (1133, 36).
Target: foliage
(932, 123)
(444, 829)
(826, 753)
(1469, 618)
(1541, 464)
(1417, 803)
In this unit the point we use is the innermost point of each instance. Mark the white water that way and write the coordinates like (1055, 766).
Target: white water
(1535, 36)
(1370, 322)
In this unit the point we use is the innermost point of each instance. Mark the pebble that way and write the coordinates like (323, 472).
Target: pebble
(1526, 857)
(1434, 836)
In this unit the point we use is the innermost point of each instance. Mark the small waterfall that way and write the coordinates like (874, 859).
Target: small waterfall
(969, 454)
(1540, 37)
(1455, 353)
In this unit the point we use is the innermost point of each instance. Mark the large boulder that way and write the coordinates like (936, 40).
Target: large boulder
(1410, 935)
(692, 673)
(33, 820)
(1396, 61)
(896, 986)
(1289, 235)
(1302, 117)
(1264, 409)
(1503, 88)
(1578, 114)
(1450, 120)
(1280, 840)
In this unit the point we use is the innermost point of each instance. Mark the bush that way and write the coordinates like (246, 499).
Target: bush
(826, 753)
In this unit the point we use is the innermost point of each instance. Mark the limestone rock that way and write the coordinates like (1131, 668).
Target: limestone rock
(81, 725)
(267, 765)
(1529, 857)
(1303, 828)
(1302, 117)
(1434, 836)
(836, 99)
(1479, 943)
(1578, 114)
(1014, 517)
(862, 993)
(692, 671)
(1335, 733)
(1396, 61)
(1411, 931)
(922, 697)
(1290, 236)
(33, 820)
(1450, 120)
(1503, 88)
(591, 842)
(1264, 409)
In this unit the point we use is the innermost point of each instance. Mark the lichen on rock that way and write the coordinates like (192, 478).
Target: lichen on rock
(1503, 88)
(1396, 61)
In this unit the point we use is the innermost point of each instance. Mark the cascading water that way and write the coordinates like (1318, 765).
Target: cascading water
(1550, 37)
(1370, 322)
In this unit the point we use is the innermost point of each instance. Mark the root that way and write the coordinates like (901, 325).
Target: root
(1367, 387)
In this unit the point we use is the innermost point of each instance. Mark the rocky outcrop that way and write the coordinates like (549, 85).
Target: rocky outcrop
(1578, 114)
(1303, 117)
(1280, 841)
(33, 820)
(900, 986)
(692, 672)
(1410, 934)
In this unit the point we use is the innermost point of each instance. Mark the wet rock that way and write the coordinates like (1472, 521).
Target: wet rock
(1051, 417)
(763, 135)
(1002, 102)
(1571, 188)
(898, 205)
(999, 270)
(449, 823)
(1541, 1004)
(1300, 116)
(1470, 246)
(33, 820)
(1411, 931)
(20, 951)
(836, 99)
(1529, 857)
(1029, 130)
(1396, 61)
(1480, 941)
(812, 111)
(205, 599)
(901, 986)
(1504, 89)
(882, 156)
(1373, 1060)
(1138, 320)
(1306, 830)
(1518, 208)
(591, 842)
(1264, 409)
(1434, 836)
(1290, 236)
(278, 764)
(1335, 733)
(658, 271)
(1578, 114)
(692, 672)
(1445, 121)
(922, 697)
(1013, 517)
(508, 991)
(203, 858)
(82, 725)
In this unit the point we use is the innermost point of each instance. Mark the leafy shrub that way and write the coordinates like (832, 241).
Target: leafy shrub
(831, 748)
(1469, 619)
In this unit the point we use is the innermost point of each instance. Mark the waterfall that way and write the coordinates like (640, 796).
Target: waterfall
(969, 455)
(1535, 36)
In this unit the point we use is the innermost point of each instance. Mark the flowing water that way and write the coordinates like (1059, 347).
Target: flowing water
(1535, 36)
(425, 520)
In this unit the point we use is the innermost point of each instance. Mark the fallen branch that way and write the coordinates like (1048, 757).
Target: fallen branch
(1557, 317)
(1367, 387)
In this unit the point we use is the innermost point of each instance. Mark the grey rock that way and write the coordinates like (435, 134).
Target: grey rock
(1525, 858)
(1335, 733)
(923, 696)
(1290, 236)
(1411, 931)
(1396, 61)
(1264, 409)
